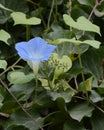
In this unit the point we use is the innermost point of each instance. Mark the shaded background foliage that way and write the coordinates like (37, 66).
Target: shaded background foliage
(64, 109)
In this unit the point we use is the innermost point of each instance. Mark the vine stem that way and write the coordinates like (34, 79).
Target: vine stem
(10, 67)
(27, 32)
(100, 109)
(56, 10)
(26, 112)
(91, 13)
(95, 6)
(36, 87)
(70, 6)
(83, 78)
(50, 14)
(76, 84)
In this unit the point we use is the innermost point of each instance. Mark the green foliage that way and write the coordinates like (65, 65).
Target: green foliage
(81, 23)
(92, 43)
(19, 77)
(3, 64)
(20, 18)
(68, 92)
(4, 36)
(81, 110)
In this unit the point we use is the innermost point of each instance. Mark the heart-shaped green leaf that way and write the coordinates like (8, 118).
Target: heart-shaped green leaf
(81, 110)
(3, 64)
(4, 36)
(20, 18)
(17, 77)
(81, 24)
(61, 65)
(66, 95)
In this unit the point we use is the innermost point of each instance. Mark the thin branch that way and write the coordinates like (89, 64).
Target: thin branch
(50, 14)
(26, 112)
(70, 6)
(76, 83)
(95, 6)
(82, 98)
(10, 67)
(97, 107)
(90, 15)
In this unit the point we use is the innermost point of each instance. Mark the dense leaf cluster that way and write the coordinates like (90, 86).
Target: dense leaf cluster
(70, 93)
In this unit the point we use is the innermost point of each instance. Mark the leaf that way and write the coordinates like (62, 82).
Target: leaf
(95, 97)
(17, 77)
(61, 104)
(58, 32)
(3, 64)
(44, 83)
(9, 107)
(78, 111)
(66, 95)
(8, 6)
(92, 60)
(4, 36)
(93, 43)
(19, 118)
(99, 13)
(81, 24)
(83, 2)
(61, 65)
(72, 125)
(22, 91)
(86, 85)
(57, 119)
(69, 49)
(20, 18)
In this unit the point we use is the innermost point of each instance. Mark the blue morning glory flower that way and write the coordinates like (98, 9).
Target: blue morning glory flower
(34, 51)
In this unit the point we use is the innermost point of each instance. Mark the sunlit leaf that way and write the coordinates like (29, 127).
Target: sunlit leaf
(3, 64)
(4, 36)
(93, 43)
(61, 65)
(19, 77)
(20, 18)
(81, 24)
(44, 83)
